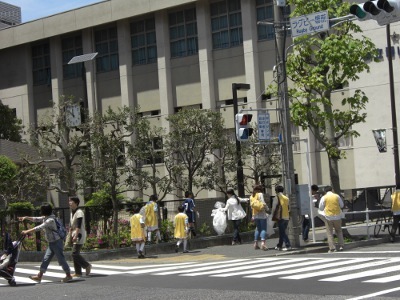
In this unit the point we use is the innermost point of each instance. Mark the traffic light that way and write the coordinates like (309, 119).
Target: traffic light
(382, 11)
(243, 130)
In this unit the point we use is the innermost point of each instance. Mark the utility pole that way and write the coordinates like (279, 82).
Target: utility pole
(288, 168)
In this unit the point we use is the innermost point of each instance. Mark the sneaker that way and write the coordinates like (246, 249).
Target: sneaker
(286, 248)
(341, 249)
(36, 278)
(185, 251)
(176, 248)
(88, 270)
(331, 250)
(67, 279)
(278, 248)
(76, 275)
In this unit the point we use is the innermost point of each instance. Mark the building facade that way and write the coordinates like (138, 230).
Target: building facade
(170, 54)
(10, 15)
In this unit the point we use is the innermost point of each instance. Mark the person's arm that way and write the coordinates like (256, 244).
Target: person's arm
(243, 199)
(322, 204)
(341, 203)
(77, 235)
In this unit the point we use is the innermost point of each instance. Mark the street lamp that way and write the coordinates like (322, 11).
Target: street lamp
(239, 169)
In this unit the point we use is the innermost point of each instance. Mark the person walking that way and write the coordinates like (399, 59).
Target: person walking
(189, 209)
(181, 229)
(78, 234)
(331, 204)
(396, 213)
(259, 216)
(55, 243)
(235, 214)
(283, 203)
(137, 231)
(151, 218)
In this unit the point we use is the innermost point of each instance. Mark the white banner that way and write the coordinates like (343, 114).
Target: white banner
(380, 139)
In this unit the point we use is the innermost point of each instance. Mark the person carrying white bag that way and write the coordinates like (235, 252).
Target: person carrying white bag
(235, 214)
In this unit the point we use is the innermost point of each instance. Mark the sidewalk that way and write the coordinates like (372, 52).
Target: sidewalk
(221, 245)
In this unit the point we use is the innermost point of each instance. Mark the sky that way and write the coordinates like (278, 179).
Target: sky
(36, 9)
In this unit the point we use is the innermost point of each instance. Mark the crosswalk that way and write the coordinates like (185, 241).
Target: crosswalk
(329, 269)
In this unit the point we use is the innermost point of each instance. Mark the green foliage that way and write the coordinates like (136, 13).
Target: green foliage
(204, 229)
(8, 176)
(167, 230)
(20, 206)
(194, 134)
(10, 126)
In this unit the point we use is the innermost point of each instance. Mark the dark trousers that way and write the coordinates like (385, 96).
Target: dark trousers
(395, 225)
(79, 261)
(283, 238)
(306, 228)
(236, 235)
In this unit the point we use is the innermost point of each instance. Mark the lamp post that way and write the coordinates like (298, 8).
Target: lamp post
(239, 168)
(393, 108)
(280, 33)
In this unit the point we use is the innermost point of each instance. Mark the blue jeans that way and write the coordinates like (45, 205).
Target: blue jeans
(261, 228)
(283, 238)
(55, 248)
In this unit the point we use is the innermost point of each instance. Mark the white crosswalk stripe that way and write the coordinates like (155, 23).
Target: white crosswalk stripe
(326, 269)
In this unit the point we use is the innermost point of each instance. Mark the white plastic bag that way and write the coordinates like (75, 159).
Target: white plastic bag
(219, 221)
(270, 226)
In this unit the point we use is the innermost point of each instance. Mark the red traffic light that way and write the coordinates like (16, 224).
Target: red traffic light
(244, 119)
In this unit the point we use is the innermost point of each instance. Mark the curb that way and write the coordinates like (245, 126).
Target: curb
(197, 243)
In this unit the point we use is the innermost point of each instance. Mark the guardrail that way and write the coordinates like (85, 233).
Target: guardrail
(368, 222)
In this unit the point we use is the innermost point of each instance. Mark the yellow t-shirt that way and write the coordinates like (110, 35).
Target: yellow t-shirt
(284, 201)
(180, 223)
(151, 217)
(137, 231)
(396, 201)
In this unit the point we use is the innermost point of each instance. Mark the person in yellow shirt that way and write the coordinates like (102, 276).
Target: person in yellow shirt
(331, 204)
(259, 216)
(284, 219)
(181, 229)
(137, 231)
(396, 213)
(151, 218)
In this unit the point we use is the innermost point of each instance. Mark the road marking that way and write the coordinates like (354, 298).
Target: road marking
(376, 294)
(385, 279)
(93, 271)
(339, 270)
(180, 266)
(363, 274)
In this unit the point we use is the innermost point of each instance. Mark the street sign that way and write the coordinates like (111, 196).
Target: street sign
(308, 24)
(264, 131)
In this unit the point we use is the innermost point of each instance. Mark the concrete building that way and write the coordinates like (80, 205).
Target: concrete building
(10, 15)
(164, 55)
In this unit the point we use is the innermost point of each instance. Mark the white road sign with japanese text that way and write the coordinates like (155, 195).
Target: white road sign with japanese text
(308, 24)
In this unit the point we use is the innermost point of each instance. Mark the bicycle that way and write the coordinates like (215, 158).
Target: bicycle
(383, 223)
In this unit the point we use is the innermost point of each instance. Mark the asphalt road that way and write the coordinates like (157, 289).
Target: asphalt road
(226, 272)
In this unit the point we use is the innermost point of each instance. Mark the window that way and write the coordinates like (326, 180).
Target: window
(143, 41)
(106, 43)
(343, 142)
(41, 64)
(183, 33)
(226, 24)
(265, 12)
(156, 156)
(71, 46)
(295, 138)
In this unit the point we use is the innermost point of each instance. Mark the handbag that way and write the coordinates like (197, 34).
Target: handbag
(238, 214)
(277, 215)
(68, 240)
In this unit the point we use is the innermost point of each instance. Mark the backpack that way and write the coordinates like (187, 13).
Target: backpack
(61, 230)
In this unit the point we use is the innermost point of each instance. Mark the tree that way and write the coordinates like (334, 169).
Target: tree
(321, 64)
(194, 135)
(8, 175)
(10, 125)
(107, 165)
(61, 144)
(148, 152)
